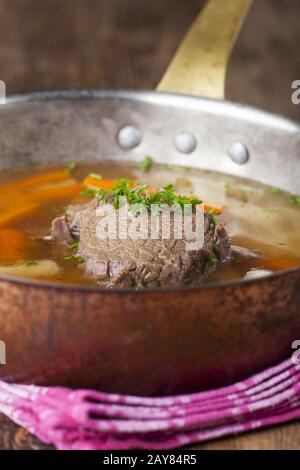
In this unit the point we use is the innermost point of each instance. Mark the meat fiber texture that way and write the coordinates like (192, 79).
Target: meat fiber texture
(142, 262)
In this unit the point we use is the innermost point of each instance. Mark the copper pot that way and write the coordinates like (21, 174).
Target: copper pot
(152, 342)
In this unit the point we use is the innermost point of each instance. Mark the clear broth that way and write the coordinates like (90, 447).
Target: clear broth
(257, 217)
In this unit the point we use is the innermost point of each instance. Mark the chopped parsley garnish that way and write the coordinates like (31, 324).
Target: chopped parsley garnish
(89, 192)
(71, 166)
(74, 259)
(75, 245)
(96, 176)
(139, 195)
(295, 200)
(209, 263)
(146, 164)
(212, 219)
(275, 191)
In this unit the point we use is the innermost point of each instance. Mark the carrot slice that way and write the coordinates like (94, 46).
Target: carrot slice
(19, 205)
(12, 245)
(36, 180)
(210, 207)
(11, 199)
(12, 214)
(51, 192)
(95, 183)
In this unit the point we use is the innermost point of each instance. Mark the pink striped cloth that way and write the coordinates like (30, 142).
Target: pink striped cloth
(89, 420)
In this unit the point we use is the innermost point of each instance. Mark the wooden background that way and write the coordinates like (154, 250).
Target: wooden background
(127, 44)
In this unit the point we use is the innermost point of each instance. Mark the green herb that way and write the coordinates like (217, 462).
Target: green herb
(75, 245)
(87, 192)
(96, 176)
(216, 249)
(295, 200)
(123, 182)
(226, 185)
(74, 259)
(212, 219)
(146, 164)
(31, 262)
(139, 195)
(71, 166)
(274, 191)
(209, 262)
(167, 166)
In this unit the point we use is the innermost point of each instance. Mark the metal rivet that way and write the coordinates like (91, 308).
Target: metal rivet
(129, 137)
(185, 142)
(238, 153)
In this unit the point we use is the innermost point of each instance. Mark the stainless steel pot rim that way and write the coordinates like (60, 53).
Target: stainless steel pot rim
(245, 112)
(205, 104)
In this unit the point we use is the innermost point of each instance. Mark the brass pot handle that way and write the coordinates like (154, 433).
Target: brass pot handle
(199, 65)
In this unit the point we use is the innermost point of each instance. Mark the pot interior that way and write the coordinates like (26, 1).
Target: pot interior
(63, 126)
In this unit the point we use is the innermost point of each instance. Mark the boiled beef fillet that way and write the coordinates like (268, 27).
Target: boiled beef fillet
(143, 262)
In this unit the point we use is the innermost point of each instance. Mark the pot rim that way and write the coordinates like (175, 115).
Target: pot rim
(214, 106)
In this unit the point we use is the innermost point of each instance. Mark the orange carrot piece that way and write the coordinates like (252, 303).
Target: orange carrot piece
(21, 204)
(55, 192)
(217, 209)
(13, 198)
(14, 213)
(36, 180)
(95, 183)
(150, 189)
(210, 207)
(12, 245)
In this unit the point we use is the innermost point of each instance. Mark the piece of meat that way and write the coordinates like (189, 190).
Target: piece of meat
(60, 230)
(144, 262)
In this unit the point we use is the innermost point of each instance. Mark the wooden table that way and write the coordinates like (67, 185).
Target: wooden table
(127, 44)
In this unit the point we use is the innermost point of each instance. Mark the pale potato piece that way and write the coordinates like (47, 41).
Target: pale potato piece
(44, 268)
